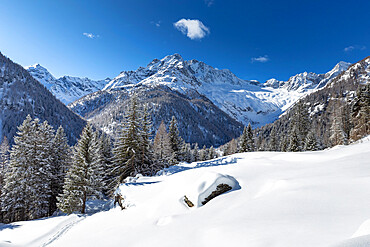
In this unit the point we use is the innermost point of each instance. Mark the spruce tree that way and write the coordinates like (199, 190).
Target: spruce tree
(284, 144)
(188, 157)
(27, 188)
(4, 160)
(196, 153)
(162, 147)
(127, 148)
(84, 178)
(337, 133)
(211, 153)
(294, 143)
(175, 140)
(361, 113)
(60, 164)
(243, 144)
(273, 144)
(311, 142)
(250, 139)
(203, 155)
(146, 153)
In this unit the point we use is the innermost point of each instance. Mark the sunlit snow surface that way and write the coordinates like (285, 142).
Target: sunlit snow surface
(281, 200)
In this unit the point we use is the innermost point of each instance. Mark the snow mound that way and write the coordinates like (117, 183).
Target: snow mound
(207, 183)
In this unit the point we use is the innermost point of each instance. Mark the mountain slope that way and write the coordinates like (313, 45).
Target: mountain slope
(328, 106)
(21, 94)
(67, 88)
(199, 120)
(283, 199)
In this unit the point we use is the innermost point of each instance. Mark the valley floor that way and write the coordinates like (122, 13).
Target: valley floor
(316, 199)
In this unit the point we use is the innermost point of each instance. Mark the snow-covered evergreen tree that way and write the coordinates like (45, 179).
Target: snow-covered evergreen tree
(361, 113)
(175, 140)
(273, 143)
(203, 154)
(211, 153)
(195, 152)
(284, 144)
(127, 148)
(311, 142)
(162, 147)
(338, 135)
(294, 143)
(4, 160)
(301, 121)
(250, 139)
(243, 144)
(84, 178)
(187, 152)
(146, 150)
(61, 159)
(27, 188)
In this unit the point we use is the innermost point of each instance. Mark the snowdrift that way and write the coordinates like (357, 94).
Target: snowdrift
(277, 199)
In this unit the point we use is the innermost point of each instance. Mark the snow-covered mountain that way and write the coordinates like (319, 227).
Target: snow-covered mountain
(278, 199)
(308, 81)
(67, 88)
(21, 94)
(244, 100)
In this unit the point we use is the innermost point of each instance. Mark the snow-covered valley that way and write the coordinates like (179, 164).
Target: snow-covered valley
(280, 199)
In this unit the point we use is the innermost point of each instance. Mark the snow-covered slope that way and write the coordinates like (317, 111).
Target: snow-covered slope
(67, 88)
(278, 199)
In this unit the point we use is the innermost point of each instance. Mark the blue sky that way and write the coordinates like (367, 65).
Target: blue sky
(254, 39)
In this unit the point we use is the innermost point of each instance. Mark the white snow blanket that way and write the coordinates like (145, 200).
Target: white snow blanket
(319, 199)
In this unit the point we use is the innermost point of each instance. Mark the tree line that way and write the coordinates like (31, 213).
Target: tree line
(41, 173)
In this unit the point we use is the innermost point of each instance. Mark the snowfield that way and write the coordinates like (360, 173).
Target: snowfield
(277, 200)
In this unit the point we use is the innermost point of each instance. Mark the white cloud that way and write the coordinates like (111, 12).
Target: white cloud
(194, 29)
(349, 48)
(157, 24)
(354, 47)
(90, 35)
(260, 59)
(209, 2)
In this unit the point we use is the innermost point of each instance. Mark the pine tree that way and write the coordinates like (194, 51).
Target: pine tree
(188, 157)
(105, 149)
(273, 144)
(27, 190)
(301, 121)
(127, 149)
(338, 135)
(4, 160)
(84, 178)
(211, 153)
(162, 147)
(203, 154)
(175, 140)
(60, 163)
(243, 144)
(250, 139)
(196, 153)
(294, 143)
(361, 113)
(311, 142)
(146, 152)
(284, 144)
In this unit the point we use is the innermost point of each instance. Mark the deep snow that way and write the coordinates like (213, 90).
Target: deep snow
(278, 199)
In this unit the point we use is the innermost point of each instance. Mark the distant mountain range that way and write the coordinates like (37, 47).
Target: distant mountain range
(191, 90)
(67, 88)
(244, 100)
